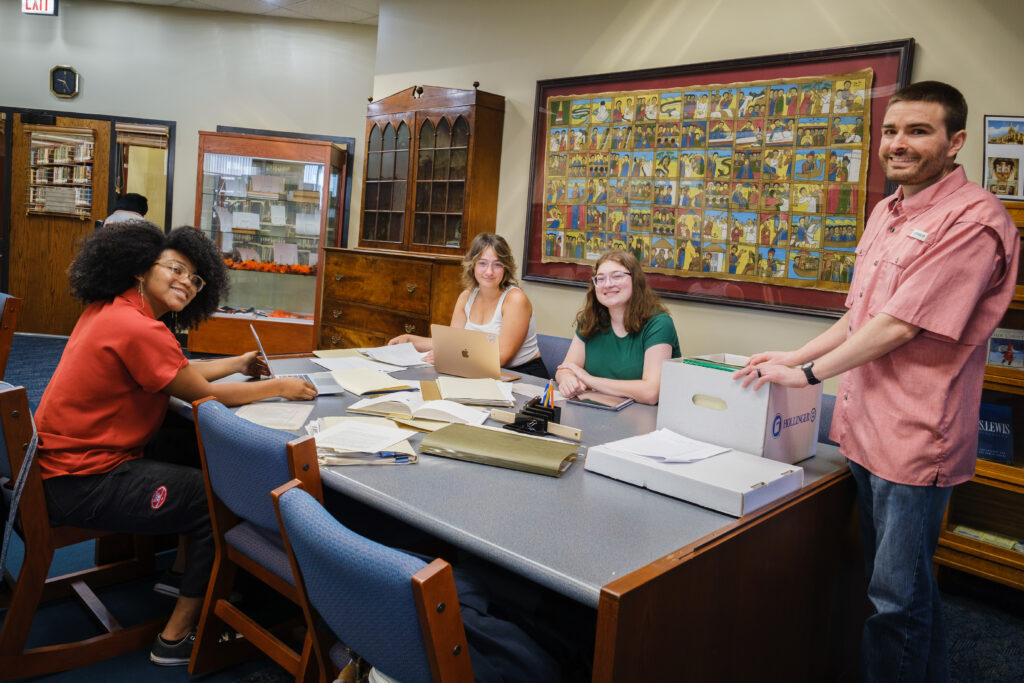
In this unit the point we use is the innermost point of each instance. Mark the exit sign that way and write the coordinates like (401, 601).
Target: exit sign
(39, 7)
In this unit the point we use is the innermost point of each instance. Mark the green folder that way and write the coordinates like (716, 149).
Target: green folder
(501, 449)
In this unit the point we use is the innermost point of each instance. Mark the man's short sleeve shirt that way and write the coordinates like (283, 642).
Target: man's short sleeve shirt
(943, 260)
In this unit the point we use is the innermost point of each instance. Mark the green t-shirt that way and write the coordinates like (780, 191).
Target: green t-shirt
(623, 357)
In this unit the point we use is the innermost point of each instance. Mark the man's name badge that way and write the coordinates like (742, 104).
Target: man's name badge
(919, 235)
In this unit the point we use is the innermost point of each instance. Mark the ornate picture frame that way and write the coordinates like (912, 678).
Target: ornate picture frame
(742, 182)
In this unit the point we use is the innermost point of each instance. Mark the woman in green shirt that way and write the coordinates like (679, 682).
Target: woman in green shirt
(623, 335)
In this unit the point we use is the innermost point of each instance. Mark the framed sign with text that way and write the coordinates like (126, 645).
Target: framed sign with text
(743, 182)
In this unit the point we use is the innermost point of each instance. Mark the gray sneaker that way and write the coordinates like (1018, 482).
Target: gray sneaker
(177, 653)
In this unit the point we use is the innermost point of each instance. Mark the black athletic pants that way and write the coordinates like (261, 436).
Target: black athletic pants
(160, 493)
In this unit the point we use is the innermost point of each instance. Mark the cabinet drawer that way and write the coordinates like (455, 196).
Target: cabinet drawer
(353, 315)
(395, 283)
(337, 337)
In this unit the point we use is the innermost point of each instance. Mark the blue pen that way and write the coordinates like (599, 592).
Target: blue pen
(399, 457)
(547, 395)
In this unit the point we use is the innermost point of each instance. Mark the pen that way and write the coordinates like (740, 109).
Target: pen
(399, 457)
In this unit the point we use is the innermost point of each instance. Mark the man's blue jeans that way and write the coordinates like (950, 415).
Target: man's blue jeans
(905, 639)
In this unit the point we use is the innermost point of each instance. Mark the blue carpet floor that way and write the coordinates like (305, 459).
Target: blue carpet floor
(984, 620)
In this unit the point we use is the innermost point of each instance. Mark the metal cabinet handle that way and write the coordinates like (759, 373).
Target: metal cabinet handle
(410, 287)
(337, 277)
(336, 313)
(410, 328)
(335, 340)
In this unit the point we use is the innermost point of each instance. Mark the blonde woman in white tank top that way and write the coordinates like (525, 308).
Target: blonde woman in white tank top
(491, 302)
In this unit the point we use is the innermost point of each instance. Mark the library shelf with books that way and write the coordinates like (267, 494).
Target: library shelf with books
(987, 512)
(60, 171)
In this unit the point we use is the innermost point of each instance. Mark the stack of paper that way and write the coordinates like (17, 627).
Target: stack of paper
(350, 362)
(361, 441)
(404, 355)
(483, 392)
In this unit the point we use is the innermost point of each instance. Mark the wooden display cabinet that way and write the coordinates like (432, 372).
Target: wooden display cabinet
(990, 507)
(432, 161)
(430, 186)
(271, 205)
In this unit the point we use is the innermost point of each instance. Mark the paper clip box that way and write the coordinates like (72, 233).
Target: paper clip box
(704, 402)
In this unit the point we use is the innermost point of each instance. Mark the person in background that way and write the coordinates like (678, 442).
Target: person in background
(129, 207)
(623, 335)
(936, 269)
(492, 302)
(104, 460)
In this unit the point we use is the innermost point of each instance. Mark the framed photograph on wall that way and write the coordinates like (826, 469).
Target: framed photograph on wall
(744, 182)
(1004, 156)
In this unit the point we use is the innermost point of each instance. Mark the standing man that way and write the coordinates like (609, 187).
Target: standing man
(129, 207)
(936, 269)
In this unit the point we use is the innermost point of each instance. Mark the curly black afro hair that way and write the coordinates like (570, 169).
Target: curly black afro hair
(111, 258)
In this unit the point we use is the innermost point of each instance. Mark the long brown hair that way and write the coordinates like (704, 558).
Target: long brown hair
(642, 306)
(501, 250)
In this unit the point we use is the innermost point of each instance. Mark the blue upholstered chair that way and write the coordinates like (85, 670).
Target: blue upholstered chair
(22, 598)
(242, 463)
(9, 307)
(396, 611)
(552, 351)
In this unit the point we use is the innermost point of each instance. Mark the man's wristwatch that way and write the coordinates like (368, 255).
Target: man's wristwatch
(808, 369)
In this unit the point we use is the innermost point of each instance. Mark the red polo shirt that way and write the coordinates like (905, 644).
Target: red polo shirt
(944, 260)
(105, 400)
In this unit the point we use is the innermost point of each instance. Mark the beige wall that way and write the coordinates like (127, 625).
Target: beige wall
(199, 69)
(508, 46)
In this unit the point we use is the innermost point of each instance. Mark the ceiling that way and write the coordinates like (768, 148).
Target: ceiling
(345, 11)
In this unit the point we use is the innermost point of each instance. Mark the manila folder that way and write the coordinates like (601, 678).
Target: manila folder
(500, 448)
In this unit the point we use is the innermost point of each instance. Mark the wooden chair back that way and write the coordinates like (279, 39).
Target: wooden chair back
(23, 597)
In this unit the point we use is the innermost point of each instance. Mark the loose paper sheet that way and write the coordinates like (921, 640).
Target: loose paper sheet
(404, 355)
(667, 446)
(288, 416)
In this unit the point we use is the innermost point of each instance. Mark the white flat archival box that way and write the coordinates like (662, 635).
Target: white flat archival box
(734, 483)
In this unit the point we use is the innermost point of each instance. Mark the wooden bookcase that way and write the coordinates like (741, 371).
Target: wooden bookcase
(430, 186)
(993, 501)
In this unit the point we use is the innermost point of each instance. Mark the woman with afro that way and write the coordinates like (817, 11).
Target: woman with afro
(103, 463)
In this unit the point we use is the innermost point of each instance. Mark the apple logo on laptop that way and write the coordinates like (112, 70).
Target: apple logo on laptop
(465, 353)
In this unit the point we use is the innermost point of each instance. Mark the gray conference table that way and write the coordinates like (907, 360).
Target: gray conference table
(674, 584)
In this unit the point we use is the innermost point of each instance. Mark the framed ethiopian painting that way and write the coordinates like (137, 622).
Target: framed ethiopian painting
(744, 182)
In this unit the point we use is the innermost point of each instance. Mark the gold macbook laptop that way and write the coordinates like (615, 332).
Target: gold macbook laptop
(465, 353)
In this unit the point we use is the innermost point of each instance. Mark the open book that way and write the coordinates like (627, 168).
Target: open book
(411, 405)
(501, 449)
(481, 392)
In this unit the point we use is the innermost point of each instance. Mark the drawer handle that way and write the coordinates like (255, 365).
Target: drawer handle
(335, 340)
(337, 277)
(336, 313)
(410, 328)
(410, 287)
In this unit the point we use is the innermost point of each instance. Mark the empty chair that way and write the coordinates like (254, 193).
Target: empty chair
(23, 597)
(398, 612)
(552, 351)
(242, 463)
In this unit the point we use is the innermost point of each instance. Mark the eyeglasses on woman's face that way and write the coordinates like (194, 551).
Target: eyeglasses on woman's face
(485, 265)
(181, 271)
(616, 278)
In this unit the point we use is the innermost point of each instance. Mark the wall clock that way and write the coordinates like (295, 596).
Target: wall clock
(64, 81)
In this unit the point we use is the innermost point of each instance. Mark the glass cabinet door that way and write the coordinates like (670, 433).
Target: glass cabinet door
(442, 155)
(265, 215)
(387, 179)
